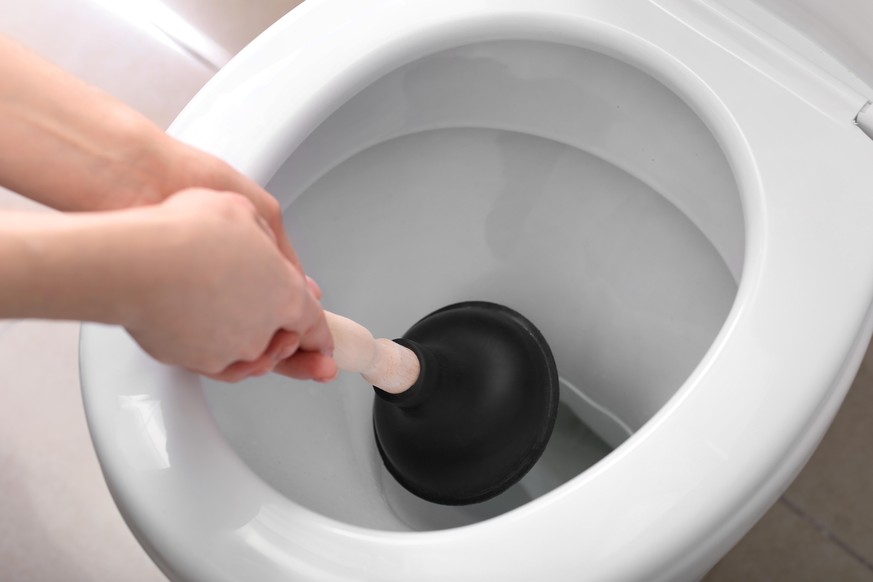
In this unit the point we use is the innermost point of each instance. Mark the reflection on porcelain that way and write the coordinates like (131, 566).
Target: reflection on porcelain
(638, 180)
(143, 417)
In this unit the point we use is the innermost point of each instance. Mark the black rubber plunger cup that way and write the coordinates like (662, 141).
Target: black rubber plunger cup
(482, 410)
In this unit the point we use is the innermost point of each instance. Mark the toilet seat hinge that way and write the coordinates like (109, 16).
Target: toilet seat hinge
(864, 119)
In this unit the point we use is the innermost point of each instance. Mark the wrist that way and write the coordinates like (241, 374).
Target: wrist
(137, 158)
(69, 145)
(71, 266)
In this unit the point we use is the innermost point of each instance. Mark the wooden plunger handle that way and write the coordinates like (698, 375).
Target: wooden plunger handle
(382, 362)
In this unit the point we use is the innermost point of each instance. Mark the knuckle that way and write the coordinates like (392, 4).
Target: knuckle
(253, 349)
(237, 203)
(272, 209)
(297, 314)
(243, 202)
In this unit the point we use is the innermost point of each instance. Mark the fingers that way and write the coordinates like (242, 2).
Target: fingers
(207, 171)
(287, 344)
(294, 300)
(239, 371)
(283, 241)
(270, 209)
(301, 365)
(306, 357)
(283, 345)
(266, 228)
(304, 314)
(308, 365)
(318, 337)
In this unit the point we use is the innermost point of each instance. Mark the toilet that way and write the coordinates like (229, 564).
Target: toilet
(678, 194)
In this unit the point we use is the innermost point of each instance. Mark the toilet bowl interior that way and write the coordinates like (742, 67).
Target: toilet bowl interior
(563, 183)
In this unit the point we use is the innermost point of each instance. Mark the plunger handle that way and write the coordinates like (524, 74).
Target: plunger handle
(382, 362)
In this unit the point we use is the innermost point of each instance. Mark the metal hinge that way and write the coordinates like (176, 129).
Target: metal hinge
(864, 119)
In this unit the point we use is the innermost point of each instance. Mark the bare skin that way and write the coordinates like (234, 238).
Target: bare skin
(186, 253)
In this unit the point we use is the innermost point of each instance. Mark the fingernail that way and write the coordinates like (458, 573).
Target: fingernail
(328, 353)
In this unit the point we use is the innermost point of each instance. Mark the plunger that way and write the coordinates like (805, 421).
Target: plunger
(467, 398)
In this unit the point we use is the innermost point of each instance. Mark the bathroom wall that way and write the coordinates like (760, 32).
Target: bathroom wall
(841, 27)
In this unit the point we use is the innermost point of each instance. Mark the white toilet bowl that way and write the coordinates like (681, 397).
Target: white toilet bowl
(679, 202)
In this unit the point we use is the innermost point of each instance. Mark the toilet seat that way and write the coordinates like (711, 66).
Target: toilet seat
(762, 379)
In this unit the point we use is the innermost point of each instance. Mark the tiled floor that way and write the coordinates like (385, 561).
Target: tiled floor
(57, 521)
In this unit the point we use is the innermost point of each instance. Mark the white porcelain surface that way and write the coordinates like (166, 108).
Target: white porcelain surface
(432, 168)
(840, 27)
(668, 502)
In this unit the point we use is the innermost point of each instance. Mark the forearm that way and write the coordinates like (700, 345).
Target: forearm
(75, 267)
(69, 145)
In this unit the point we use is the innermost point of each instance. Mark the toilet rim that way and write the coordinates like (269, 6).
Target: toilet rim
(217, 120)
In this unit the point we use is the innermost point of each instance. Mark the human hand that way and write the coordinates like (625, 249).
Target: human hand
(110, 157)
(184, 166)
(220, 298)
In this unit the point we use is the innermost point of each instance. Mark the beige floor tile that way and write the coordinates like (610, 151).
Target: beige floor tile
(127, 58)
(836, 487)
(232, 23)
(785, 547)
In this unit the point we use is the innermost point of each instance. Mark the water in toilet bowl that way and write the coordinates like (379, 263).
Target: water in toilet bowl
(573, 448)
